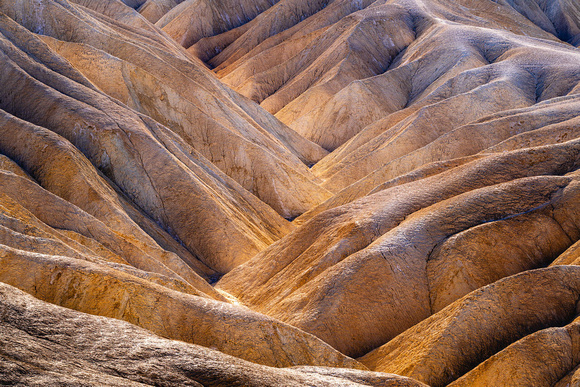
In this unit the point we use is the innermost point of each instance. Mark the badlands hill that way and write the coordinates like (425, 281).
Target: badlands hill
(290, 192)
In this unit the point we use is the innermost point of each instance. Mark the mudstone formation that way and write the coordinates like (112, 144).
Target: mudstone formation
(290, 192)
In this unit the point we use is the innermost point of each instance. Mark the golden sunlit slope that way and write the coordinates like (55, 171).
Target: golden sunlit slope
(380, 193)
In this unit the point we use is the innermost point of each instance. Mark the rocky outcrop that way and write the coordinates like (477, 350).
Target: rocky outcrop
(541, 358)
(284, 186)
(451, 342)
(193, 20)
(395, 258)
(560, 18)
(62, 268)
(42, 344)
(184, 110)
(141, 157)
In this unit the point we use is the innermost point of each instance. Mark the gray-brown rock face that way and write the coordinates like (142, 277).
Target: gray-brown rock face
(291, 192)
(42, 344)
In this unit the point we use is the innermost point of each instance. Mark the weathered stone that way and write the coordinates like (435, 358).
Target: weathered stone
(41, 344)
(154, 153)
(445, 346)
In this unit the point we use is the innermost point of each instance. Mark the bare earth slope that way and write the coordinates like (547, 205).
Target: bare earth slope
(292, 192)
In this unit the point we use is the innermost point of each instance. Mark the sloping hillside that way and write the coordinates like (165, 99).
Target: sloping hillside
(289, 192)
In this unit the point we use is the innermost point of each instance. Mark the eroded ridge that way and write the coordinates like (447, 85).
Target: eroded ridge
(292, 192)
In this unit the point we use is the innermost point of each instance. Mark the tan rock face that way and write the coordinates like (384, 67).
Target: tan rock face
(105, 291)
(449, 343)
(45, 344)
(154, 155)
(540, 358)
(393, 260)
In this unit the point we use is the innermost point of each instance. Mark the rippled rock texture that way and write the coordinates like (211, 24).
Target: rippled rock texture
(290, 192)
